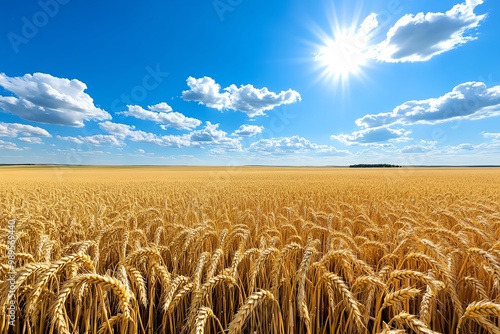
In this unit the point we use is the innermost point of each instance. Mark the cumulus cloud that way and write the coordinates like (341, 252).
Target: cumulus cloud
(209, 135)
(83, 152)
(417, 148)
(246, 98)
(7, 145)
(468, 147)
(15, 129)
(123, 131)
(373, 136)
(483, 148)
(470, 100)
(248, 130)
(206, 91)
(163, 114)
(292, 145)
(422, 36)
(492, 135)
(96, 140)
(47, 99)
(369, 24)
(31, 140)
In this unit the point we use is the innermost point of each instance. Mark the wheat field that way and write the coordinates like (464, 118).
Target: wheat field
(249, 250)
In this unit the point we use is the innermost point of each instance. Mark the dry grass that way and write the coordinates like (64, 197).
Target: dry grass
(266, 250)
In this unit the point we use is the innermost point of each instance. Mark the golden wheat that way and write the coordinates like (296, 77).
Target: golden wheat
(267, 250)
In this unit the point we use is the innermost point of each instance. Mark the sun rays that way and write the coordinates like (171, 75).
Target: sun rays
(343, 50)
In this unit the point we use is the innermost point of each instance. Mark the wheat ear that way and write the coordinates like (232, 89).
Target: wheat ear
(106, 282)
(301, 282)
(413, 323)
(350, 302)
(252, 302)
(479, 309)
(204, 313)
(139, 283)
(425, 306)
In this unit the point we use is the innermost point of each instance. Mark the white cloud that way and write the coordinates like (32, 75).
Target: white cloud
(172, 141)
(75, 140)
(292, 145)
(369, 24)
(7, 145)
(422, 36)
(483, 148)
(81, 152)
(417, 148)
(31, 140)
(210, 134)
(206, 91)
(248, 99)
(119, 130)
(15, 129)
(373, 136)
(468, 147)
(470, 100)
(96, 140)
(123, 131)
(47, 99)
(163, 114)
(248, 130)
(493, 135)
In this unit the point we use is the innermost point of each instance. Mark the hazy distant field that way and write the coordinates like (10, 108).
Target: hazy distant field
(270, 250)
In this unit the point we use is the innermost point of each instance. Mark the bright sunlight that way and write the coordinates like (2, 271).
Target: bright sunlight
(346, 52)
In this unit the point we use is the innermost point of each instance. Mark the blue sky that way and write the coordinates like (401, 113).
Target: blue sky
(235, 82)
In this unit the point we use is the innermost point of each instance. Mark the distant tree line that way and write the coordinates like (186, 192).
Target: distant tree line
(374, 166)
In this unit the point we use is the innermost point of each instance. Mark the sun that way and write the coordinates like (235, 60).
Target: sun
(341, 57)
(345, 51)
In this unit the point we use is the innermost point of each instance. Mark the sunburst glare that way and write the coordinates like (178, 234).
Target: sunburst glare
(345, 51)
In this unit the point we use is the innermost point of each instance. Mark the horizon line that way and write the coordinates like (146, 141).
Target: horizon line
(254, 165)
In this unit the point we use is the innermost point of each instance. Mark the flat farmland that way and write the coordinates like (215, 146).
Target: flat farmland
(249, 249)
